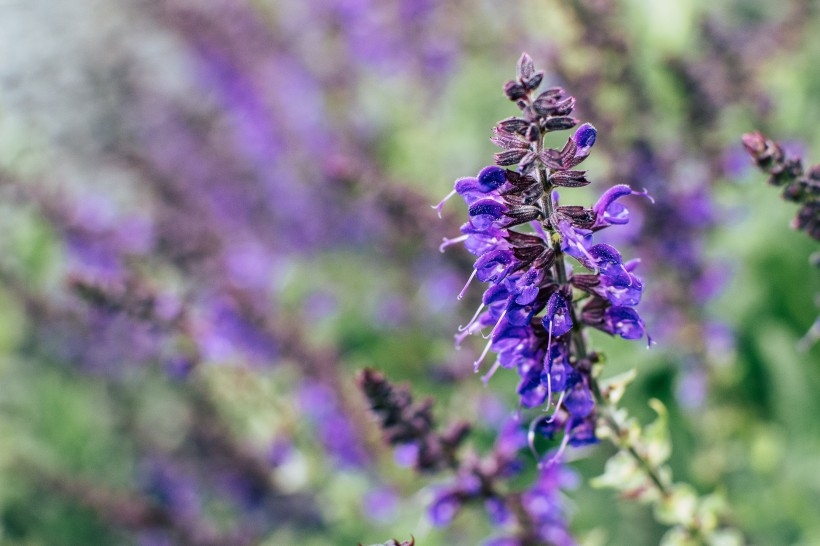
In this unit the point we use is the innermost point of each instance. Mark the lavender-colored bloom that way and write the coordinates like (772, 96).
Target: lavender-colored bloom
(497, 510)
(495, 265)
(584, 138)
(623, 321)
(531, 390)
(557, 320)
(579, 401)
(444, 508)
(574, 242)
(488, 212)
(608, 211)
(448, 501)
(543, 506)
(528, 304)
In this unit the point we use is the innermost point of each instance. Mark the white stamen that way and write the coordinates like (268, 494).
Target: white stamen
(464, 290)
(557, 407)
(486, 377)
(447, 242)
(549, 389)
(531, 437)
(496, 325)
(623, 268)
(472, 320)
(561, 448)
(477, 363)
(460, 337)
(441, 203)
(549, 338)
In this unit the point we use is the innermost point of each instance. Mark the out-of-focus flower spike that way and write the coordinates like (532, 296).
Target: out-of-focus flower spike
(557, 318)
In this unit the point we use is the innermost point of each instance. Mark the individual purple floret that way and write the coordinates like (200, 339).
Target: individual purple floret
(536, 305)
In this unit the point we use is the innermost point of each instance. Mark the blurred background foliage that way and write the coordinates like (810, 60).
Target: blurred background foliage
(213, 214)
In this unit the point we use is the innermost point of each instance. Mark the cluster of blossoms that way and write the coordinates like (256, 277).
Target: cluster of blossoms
(533, 516)
(799, 187)
(410, 426)
(536, 304)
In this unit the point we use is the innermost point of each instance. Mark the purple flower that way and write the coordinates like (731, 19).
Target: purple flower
(574, 242)
(487, 212)
(579, 402)
(531, 390)
(623, 321)
(556, 368)
(529, 303)
(495, 265)
(584, 138)
(491, 178)
(608, 211)
(558, 319)
(444, 507)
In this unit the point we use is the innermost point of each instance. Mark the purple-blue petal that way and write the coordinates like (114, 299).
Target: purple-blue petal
(527, 286)
(609, 212)
(530, 389)
(609, 263)
(557, 368)
(497, 510)
(491, 178)
(584, 138)
(574, 242)
(509, 336)
(625, 322)
(557, 318)
(444, 508)
(480, 241)
(623, 294)
(519, 315)
(494, 265)
(486, 211)
(579, 401)
(582, 433)
(469, 189)
(496, 293)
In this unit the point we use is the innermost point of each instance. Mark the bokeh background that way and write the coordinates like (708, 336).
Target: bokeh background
(214, 213)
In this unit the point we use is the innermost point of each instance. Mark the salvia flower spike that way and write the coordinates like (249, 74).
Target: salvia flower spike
(522, 240)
